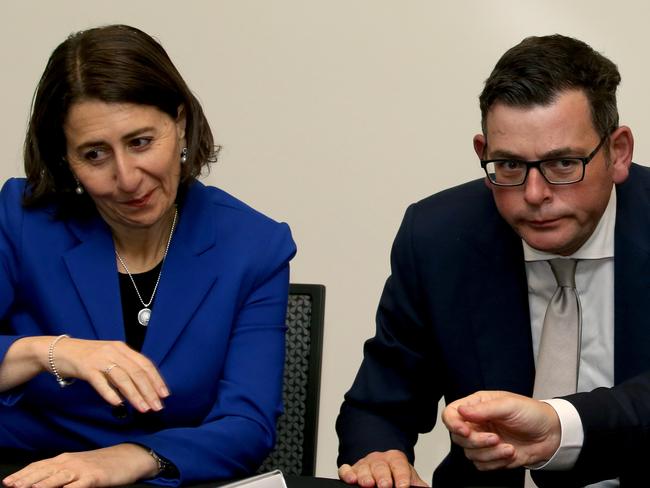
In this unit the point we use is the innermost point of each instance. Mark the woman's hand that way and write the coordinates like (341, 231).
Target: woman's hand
(115, 370)
(111, 466)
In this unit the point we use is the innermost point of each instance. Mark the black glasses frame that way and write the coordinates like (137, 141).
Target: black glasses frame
(537, 165)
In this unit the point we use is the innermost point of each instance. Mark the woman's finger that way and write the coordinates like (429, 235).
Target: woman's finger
(143, 375)
(153, 374)
(35, 473)
(59, 478)
(102, 385)
(124, 382)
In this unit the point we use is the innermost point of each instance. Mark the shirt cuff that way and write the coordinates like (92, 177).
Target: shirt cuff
(571, 440)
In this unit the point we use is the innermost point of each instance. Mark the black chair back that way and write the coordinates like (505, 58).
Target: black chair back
(297, 429)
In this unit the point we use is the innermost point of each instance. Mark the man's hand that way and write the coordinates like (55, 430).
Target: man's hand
(382, 469)
(112, 466)
(498, 429)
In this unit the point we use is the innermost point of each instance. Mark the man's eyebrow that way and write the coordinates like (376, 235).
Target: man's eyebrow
(554, 153)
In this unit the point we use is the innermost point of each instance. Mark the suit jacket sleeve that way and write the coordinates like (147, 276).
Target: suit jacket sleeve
(393, 396)
(616, 423)
(10, 222)
(239, 431)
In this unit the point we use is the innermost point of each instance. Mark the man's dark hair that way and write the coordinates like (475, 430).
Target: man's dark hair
(112, 64)
(537, 69)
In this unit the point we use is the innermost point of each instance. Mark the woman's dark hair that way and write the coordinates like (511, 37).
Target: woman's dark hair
(113, 64)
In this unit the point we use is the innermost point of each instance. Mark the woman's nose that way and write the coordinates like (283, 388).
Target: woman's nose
(127, 174)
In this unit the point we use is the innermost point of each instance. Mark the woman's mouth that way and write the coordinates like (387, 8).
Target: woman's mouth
(139, 202)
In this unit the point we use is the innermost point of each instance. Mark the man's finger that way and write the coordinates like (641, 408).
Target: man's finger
(503, 453)
(402, 472)
(453, 420)
(347, 474)
(364, 474)
(382, 474)
(476, 440)
(486, 411)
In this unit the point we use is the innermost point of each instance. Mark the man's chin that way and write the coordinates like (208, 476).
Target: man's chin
(548, 242)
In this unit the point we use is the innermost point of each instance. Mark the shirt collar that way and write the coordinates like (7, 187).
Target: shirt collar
(599, 245)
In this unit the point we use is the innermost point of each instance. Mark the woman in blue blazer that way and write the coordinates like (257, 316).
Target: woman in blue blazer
(142, 312)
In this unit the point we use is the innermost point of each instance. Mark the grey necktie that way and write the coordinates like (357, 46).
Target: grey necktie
(559, 348)
(558, 356)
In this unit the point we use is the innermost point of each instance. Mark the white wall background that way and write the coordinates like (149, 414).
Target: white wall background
(334, 115)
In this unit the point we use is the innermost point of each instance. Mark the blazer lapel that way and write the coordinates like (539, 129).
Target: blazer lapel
(632, 279)
(499, 310)
(188, 274)
(92, 268)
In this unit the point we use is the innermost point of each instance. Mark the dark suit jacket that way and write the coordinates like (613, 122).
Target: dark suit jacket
(453, 319)
(616, 423)
(216, 332)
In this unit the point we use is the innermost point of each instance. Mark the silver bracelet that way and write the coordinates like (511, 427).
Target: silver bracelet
(50, 359)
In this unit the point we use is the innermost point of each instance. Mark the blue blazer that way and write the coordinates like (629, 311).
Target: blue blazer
(454, 318)
(216, 332)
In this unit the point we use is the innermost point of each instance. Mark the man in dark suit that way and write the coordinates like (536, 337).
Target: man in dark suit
(464, 306)
(499, 429)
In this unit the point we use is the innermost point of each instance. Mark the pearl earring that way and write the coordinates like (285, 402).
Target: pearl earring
(79, 190)
(184, 155)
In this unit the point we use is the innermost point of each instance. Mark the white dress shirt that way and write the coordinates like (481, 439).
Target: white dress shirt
(595, 287)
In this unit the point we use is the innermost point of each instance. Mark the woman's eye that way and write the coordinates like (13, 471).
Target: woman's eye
(94, 154)
(140, 142)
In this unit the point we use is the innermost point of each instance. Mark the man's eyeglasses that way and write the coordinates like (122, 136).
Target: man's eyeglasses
(557, 171)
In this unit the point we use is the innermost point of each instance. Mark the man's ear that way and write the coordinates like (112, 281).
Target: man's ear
(480, 143)
(621, 148)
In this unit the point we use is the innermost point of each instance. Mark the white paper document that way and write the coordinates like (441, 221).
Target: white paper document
(272, 479)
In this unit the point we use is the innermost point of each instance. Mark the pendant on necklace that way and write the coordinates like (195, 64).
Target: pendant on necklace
(143, 316)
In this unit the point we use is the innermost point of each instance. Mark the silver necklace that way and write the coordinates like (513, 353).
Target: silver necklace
(145, 313)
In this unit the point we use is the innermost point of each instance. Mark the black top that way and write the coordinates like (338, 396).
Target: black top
(131, 304)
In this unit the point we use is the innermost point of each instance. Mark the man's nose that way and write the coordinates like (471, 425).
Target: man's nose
(536, 188)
